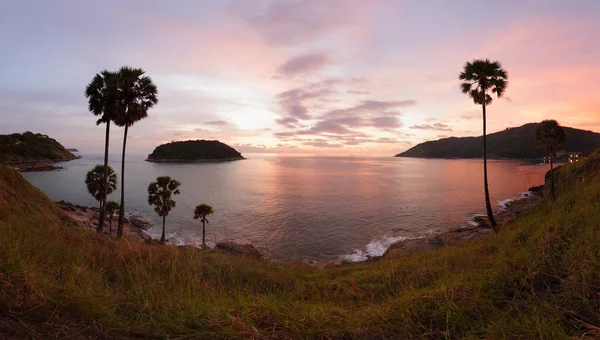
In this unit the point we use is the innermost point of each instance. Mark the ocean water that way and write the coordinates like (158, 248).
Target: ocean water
(308, 208)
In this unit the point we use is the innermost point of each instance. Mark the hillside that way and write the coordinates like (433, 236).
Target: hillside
(512, 143)
(31, 147)
(194, 151)
(538, 278)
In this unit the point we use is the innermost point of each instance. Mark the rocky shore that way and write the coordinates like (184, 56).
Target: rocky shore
(479, 227)
(38, 165)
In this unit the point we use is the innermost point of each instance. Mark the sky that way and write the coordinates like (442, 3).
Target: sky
(322, 77)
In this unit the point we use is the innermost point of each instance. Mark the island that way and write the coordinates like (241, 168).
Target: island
(194, 151)
(30, 151)
(511, 143)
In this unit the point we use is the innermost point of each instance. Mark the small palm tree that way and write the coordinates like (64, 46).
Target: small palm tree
(480, 78)
(550, 136)
(201, 212)
(103, 100)
(138, 95)
(111, 208)
(97, 186)
(159, 195)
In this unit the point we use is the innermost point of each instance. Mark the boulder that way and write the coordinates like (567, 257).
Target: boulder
(244, 250)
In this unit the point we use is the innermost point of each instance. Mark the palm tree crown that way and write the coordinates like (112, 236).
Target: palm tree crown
(481, 76)
(94, 181)
(138, 94)
(202, 211)
(160, 193)
(103, 96)
(550, 136)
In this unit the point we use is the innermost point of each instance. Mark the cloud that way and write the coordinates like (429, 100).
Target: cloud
(357, 92)
(369, 106)
(289, 122)
(292, 101)
(304, 64)
(434, 127)
(217, 123)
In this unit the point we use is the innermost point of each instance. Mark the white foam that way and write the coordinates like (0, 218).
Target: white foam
(374, 248)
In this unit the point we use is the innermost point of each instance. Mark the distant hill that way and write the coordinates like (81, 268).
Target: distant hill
(512, 143)
(31, 147)
(194, 151)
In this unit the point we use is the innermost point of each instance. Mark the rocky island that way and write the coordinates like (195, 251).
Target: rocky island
(194, 151)
(30, 151)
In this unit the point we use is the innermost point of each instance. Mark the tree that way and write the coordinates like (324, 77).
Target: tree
(480, 78)
(111, 208)
(138, 94)
(98, 187)
(550, 136)
(103, 100)
(159, 195)
(201, 212)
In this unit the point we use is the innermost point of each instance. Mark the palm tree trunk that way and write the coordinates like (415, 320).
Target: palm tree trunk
(122, 208)
(552, 178)
(203, 233)
(102, 206)
(162, 238)
(110, 226)
(488, 206)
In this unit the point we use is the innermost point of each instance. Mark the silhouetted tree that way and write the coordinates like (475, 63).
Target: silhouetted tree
(138, 94)
(480, 78)
(159, 195)
(550, 136)
(201, 212)
(112, 207)
(97, 186)
(103, 100)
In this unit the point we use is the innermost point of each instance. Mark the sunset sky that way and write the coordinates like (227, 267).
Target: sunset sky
(327, 77)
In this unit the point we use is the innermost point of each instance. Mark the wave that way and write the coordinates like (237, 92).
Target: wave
(374, 248)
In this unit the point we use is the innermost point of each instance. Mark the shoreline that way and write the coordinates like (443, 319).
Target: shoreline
(38, 164)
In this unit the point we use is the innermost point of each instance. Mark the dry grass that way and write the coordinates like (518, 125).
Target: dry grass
(538, 278)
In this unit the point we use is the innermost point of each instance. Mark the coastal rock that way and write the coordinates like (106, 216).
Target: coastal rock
(138, 220)
(244, 250)
(194, 151)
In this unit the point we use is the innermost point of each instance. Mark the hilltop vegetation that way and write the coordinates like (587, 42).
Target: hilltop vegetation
(194, 151)
(30, 147)
(536, 278)
(512, 143)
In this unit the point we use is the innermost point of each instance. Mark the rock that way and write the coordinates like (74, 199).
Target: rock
(244, 250)
(140, 221)
(537, 189)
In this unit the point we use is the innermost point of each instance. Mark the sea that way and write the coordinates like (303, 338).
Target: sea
(311, 209)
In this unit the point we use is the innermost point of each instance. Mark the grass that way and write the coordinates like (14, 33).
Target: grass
(537, 278)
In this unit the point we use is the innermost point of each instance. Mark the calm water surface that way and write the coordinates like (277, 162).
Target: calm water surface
(296, 208)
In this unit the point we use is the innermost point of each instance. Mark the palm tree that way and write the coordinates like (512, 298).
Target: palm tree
(201, 212)
(138, 95)
(550, 136)
(159, 195)
(98, 187)
(480, 78)
(111, 208)
(102, 94)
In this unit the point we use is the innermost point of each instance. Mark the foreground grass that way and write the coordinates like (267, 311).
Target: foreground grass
(538, 278)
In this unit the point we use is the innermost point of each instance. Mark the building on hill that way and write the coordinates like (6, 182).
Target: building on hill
(575, 156)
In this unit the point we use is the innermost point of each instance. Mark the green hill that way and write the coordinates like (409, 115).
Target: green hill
(512, 143)
(539, 278)
(194, 151)
(31, 147)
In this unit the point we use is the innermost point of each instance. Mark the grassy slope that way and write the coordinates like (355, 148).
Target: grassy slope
(28, 146)
(515, 143)
(538, 278)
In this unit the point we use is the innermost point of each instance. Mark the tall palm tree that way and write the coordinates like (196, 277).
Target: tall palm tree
(97, 187)
(159, 195)
(480, 78)
(550, 136)
(138, 94)
(103, 100)
(111, 208)
(201, 212)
